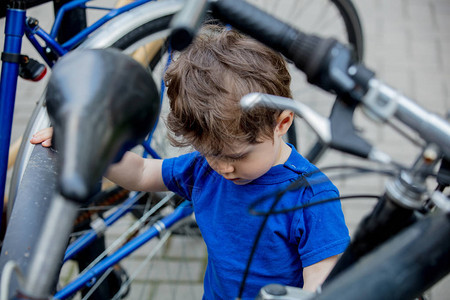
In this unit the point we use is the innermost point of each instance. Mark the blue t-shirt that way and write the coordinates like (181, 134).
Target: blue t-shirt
(289, 242)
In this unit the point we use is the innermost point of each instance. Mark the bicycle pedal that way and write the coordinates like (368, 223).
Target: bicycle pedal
(30, 69)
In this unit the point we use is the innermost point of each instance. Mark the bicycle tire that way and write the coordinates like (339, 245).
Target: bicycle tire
(353, 25)
(28, 215)
(141, 32)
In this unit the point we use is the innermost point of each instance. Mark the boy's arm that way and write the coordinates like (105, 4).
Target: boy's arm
(133, 172)
(136, 173)
(314, 275)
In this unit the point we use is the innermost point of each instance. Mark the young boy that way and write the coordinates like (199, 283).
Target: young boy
(239, 158)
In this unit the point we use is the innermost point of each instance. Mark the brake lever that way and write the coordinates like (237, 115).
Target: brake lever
(337, 132)
(319, 124)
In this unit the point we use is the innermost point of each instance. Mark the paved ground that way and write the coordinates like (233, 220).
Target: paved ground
(407, 44)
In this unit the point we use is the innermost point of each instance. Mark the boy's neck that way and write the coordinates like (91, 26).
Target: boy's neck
(285, 152)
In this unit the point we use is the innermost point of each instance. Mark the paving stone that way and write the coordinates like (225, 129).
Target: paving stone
(180, 291)
(186, 246)
(167, 270)
(140, 291)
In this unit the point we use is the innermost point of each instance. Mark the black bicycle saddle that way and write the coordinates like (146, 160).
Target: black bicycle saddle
(101, 103)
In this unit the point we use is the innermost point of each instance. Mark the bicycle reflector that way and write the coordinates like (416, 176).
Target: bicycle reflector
(31, 69)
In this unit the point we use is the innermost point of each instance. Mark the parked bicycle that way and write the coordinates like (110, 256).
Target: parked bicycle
(407, 211)
(127, 31)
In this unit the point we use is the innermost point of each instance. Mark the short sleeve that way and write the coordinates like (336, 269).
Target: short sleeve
(179, 173)
(321, 230)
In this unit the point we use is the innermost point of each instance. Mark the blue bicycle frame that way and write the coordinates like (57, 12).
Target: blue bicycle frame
(14, 30)
(16, 26)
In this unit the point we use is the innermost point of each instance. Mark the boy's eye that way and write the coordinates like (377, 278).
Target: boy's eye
(228, 158)
(224, 159)
(235, 158)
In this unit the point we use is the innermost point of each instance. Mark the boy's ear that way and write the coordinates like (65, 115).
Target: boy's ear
(284, 121)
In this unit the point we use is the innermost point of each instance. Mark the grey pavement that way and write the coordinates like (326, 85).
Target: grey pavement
(407, 43)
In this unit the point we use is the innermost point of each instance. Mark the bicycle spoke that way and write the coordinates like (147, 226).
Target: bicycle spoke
(162, 241)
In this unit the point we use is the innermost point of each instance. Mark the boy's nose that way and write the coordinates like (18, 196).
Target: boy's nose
(224, 167)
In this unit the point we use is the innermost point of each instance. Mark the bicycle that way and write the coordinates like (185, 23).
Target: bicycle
(442, 136)
(105, 36)
(384, 259)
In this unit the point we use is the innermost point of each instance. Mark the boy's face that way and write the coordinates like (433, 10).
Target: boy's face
(242, 164)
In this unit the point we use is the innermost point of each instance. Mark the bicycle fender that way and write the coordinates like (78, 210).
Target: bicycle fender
(30, 207)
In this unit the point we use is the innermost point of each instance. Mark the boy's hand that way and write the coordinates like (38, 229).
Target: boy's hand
(43, 137)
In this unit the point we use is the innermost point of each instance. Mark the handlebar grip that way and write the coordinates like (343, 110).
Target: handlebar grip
(306, 51)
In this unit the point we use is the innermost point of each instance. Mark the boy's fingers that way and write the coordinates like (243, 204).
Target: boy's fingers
(44, 140)
(37, 139)
(47, 143)
(46, 132)
(41, 136)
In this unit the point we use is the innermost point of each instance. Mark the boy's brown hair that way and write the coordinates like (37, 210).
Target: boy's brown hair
(206, 83)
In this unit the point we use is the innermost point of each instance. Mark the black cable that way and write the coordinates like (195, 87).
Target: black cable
(363, 169)
(257, 238)
(295, 184)
(347, 197)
